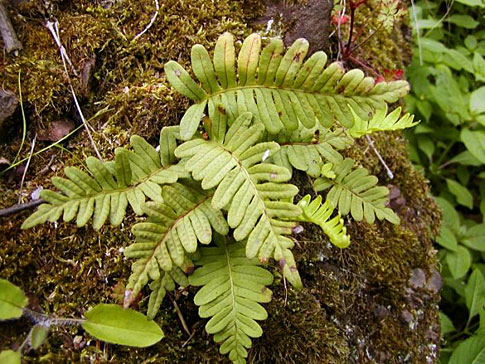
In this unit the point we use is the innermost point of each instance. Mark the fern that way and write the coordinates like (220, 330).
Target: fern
(262, 123)
(232, 288)
(171, 229)
(159, 288)
(130, 179)
(304, 149)
(278, 89)
(255, 209)
(355, 191)
(381, 121)
(319, 214)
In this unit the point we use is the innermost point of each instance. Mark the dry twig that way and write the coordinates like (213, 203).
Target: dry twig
(54, 29)
(10, 40)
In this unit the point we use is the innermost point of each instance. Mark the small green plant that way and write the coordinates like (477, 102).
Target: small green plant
(110, 323)
(448, 93)
(226, 184)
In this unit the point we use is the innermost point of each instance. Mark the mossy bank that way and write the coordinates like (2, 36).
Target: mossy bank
(374, 302)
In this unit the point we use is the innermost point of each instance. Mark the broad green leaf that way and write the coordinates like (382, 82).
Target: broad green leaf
(12, 300)
(459, 262)
(464, 21)
(446, 324)
(426, 145)
(428, 24)
(463, 196)
(475, 293)
(447, 239)
(470, 351)
(457, 60)
(449, 96)
(481, 329)
(471, 42)
(479, 67)
(450, 215)
(37, 335)
(479, 3)
(9, 357)
(465, 158)
(114, 324)
(475, 237)
(475, 140)
(477, 101)
(433, 45)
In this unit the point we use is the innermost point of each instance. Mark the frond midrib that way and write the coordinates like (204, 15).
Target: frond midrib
(357, 194)
(252, 183)
(233, 294)
(174, 224)
(296, 90)
(108, 192)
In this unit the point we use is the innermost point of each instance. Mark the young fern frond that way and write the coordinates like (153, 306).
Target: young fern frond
(278, 88)
(249, 189)
(381, 121)
(159, 288)
(306, 149)
(355, 191)
(130, 179)
(319, 214)
(233, 286)
(172, 228)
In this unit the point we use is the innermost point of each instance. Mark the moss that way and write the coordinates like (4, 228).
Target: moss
(352, 307)
(381, 50)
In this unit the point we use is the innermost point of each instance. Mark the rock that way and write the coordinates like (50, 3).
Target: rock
(310, 20)
(418, 278)
(8, 105)
(434, 282)
(56, 130)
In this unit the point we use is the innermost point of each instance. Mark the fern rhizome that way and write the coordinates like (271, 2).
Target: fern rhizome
(225, 184)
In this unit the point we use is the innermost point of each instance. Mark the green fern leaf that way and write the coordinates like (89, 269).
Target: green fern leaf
(306, 149)
(250, 190)
(355, 191)
(172, 228)
(319, 214)
(381, 121)
(278, 88)
(233, 287)
(111, 186)
(159, 288)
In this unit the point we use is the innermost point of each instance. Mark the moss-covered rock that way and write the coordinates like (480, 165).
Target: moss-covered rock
(359, 305)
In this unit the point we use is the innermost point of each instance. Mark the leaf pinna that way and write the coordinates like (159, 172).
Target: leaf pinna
(110, 187)
(277, 87)
(233, 286)
(319, 214)
(249, 189)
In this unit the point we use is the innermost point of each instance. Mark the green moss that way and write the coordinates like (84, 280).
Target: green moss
(337, 318)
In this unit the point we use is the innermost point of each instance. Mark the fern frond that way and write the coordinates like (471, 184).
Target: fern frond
(381, 121)
(278, 88)
(159, 288)
(172, 228)
(306, 149)
(355, 191)
(250, 190)
(233, 287)
(319, 214)
(111, 186)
